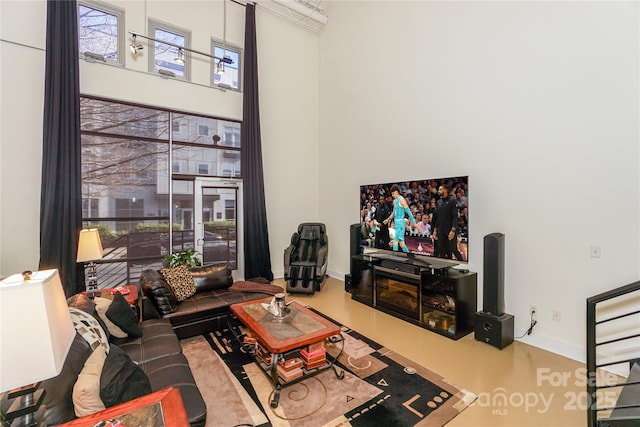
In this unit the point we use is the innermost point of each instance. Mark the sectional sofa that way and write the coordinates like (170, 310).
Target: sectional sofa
(149, 356)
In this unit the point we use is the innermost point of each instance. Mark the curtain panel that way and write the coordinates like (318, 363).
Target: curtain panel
(257, 258)
(61, 189)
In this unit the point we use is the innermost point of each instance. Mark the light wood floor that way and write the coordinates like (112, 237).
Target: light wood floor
(540, 388)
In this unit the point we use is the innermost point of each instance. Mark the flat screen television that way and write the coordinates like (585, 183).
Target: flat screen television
(439, 206)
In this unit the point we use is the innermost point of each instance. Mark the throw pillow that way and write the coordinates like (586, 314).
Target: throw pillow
(158, 291)
(180, 280)
(102, 305)
(212, 277)
(83, 302)
(121, 379)
(121, 314)
(86, 391)
(89, 328)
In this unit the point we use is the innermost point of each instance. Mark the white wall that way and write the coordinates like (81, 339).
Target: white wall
(21, 101)
(536, 101)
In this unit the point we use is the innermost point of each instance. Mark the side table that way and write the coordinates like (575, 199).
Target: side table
(132, 297)
(164, 408)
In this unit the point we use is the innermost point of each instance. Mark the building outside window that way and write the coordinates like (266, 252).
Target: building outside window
(229, 209)
(232, 136)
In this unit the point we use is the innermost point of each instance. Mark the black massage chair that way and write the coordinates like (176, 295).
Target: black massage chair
(305, 260)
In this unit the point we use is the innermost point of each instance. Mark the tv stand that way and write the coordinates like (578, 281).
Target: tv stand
(441, 300)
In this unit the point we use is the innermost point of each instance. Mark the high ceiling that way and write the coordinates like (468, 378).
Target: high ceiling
(307, 13)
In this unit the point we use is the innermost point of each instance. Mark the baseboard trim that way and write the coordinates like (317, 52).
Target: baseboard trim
(553, 345)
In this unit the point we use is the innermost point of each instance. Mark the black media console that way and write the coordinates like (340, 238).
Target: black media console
(443, 301)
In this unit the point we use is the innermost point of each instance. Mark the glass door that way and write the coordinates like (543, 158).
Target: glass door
(218, 221)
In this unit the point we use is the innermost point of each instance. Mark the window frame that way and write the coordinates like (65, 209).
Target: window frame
(154, 25)
(229, 46)
(110, 10)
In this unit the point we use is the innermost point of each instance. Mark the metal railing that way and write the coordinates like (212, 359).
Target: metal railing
(593, 364)
(127, 256)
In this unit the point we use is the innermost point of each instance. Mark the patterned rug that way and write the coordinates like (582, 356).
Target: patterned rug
(379, 387)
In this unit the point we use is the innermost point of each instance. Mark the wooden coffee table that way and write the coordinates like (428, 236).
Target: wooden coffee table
(279, 336)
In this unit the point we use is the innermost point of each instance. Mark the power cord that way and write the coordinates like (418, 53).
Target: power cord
(532, 323)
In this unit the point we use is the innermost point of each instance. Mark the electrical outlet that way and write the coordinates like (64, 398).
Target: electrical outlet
(533, 311)
(595, 251)
(555, 315)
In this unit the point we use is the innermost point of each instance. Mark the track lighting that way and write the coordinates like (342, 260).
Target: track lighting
(181, 49)
(180, 57)
(135, 47)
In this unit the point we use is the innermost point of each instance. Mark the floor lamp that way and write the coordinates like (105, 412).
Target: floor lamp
(36, 308)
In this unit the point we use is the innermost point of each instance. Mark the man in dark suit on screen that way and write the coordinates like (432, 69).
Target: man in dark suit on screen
(445, 225)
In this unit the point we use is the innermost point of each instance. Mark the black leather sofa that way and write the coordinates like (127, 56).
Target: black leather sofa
(202, 312)
(157, 352)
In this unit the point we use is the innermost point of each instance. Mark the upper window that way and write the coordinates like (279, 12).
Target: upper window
(227, 75)
(169, 56)
(101, 31)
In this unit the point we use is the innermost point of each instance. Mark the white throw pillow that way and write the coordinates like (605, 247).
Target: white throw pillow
(86, 391)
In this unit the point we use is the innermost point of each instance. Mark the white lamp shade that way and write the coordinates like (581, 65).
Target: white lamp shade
(89, 245)
(36, 330)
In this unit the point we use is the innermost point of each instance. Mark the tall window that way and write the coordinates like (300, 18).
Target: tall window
(228, 77)
(101, 31)
(126, 174)
(169, 57)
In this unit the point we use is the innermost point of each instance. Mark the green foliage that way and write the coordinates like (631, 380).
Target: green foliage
(142, 227)
(106, 235)
(189, 257)
(220, 224)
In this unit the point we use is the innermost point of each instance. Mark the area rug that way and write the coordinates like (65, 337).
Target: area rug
(379, 387)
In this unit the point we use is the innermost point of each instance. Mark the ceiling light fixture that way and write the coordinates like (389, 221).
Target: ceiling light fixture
(135, 47)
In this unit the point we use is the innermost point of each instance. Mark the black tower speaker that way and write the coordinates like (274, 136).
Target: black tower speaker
(354, 240)
(494, 330)
(493, 283)
(354, 244)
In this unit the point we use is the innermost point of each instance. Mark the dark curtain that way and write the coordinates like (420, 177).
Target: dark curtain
(256, 235)
(61, 196)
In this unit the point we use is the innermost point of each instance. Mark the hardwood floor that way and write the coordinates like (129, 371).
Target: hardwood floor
(520, 385)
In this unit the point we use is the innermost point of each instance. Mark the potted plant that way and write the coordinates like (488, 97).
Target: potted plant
(190, 258)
